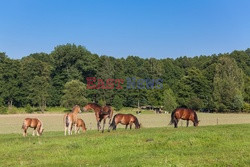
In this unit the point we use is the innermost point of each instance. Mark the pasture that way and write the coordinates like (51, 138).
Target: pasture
(222, 145)
(54, 121)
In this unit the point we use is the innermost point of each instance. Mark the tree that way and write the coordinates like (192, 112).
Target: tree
(9, 80)
(71, 62)
(35, 81)
(228, 85)
(169, 100)
(74, 94)
(39, 91)
(193, 86)
(117, 102)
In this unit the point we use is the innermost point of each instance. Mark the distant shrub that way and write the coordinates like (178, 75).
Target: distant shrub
(246, 107)
(12, 110)
(28, 109)
(3, 110)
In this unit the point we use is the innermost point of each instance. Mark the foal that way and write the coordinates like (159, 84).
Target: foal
(70, 119)
(32, 123)
(80, 124)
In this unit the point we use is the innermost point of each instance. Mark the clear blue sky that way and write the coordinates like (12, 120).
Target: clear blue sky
(145, 28)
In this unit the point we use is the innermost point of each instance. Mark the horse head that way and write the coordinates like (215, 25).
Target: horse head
(76, 109)
(41, 131)
(196, 123)
(87, 107)
(138, 126)
(92, 106)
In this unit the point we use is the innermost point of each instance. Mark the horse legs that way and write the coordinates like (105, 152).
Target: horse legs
(33, 134)
(24, 132)
(187, 122)
(78, 130)
(75, 128)
(130, 125)
(126, 126)
(113, 126)
(109, 128)
(65, 130)
(104, 121)
(69, 129)
(99, 125)
(37, 131)
(176, 123)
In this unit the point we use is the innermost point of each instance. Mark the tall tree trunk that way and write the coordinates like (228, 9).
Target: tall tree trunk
(10, 103)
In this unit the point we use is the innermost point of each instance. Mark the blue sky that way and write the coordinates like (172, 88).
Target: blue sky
(145, 28)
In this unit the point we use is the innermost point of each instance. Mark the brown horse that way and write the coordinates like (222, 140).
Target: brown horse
(70, 119)
(80, 124)
(101, 113)
(125, 119)
(32, 123)
(184, 114)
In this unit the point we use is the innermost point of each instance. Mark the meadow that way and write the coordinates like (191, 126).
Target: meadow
(53, 121)
(222, 145)
(220, 140)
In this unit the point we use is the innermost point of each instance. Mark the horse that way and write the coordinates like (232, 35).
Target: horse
(184, 114)
(101, 113)
(32, 123)
(125, 119)
(80, 124)
(70, 119)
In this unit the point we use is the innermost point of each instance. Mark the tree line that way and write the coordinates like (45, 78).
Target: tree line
(211, 83)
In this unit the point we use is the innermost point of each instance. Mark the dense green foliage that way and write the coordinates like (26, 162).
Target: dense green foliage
(74, 94)
(217, 82)
(224, 145)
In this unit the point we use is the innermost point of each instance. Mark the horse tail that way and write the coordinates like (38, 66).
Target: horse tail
(67, 121)
(172, 117)
(23, 126)
(113, 122)
(111, 113)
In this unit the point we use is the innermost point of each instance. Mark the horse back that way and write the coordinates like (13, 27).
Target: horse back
(32, 122)
(184, 113)
(80, 122)
(107, 110)
(125, 118)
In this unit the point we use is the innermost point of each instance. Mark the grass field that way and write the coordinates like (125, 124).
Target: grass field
(54, 121)
(223, 145)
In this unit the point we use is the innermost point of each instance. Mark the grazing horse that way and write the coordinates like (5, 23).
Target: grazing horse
(70, 119)
(184, 114)
(101, 113)
(80, 124)
(32, 123)
(124, 119)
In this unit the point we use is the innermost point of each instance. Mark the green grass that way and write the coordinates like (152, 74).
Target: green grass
(224, 145)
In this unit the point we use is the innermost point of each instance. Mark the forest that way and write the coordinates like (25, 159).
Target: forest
(216, 83)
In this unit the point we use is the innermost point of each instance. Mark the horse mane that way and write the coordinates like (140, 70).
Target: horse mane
(137, 122)
(94, 104)
(74, 108)
(41, 127)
